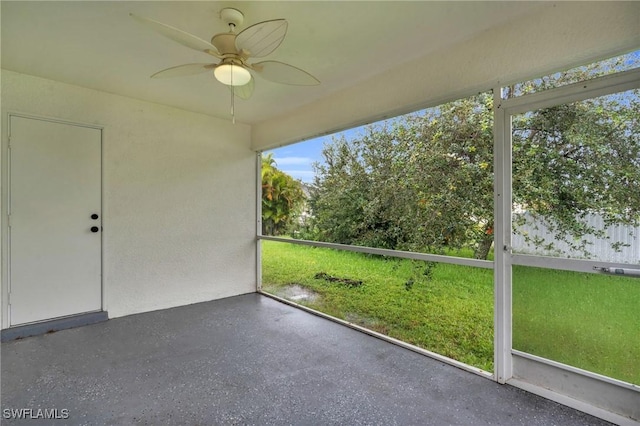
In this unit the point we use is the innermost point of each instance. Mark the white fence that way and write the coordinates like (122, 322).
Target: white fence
(598, 248)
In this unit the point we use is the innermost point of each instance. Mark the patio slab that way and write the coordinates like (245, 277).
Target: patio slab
(251, 360)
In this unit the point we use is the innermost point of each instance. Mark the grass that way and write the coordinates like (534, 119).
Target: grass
(585, 320)
(450, 313)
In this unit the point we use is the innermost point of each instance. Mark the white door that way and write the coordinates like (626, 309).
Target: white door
(55, 220)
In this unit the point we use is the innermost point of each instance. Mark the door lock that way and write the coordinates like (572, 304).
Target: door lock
(94, 229)
(94, 216)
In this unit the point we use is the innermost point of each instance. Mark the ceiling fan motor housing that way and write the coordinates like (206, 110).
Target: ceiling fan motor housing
(232, 16)
(225, 43)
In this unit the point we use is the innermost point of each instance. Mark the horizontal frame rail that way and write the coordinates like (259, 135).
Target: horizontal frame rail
(575, 92)
(602, 396)
(486, 264)
(576, 370)
(566, 264)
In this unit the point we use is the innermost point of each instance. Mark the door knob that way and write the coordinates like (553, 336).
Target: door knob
(94, 216)
(94, 229)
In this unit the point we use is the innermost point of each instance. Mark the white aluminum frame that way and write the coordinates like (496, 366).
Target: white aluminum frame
(502, 241)
(487, 264)
(258, 221)
(580, 389)
(504, 354)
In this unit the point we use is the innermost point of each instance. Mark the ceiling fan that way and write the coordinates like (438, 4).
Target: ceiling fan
(234, 50)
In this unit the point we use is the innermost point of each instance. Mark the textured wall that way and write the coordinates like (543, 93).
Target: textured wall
(558, 36)
(178, 198)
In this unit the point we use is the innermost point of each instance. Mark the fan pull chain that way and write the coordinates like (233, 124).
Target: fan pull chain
(233, 113)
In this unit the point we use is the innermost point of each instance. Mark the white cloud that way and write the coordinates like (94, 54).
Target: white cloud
(303, 175)
(291, 161)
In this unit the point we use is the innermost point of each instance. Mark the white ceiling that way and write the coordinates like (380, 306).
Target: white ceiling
(97, 45)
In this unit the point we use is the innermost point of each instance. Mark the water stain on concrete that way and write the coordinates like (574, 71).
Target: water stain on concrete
(296, 293)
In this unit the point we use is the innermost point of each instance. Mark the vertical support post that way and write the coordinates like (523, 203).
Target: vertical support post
(258, 221)
(5, 220)
(502, 226)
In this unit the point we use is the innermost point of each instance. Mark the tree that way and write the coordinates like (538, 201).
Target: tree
(576, 160)
(580, 159)
(425, 181)
(282, 197)
(412, 184)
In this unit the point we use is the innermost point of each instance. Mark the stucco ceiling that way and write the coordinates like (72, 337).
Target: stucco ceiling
(97, 45)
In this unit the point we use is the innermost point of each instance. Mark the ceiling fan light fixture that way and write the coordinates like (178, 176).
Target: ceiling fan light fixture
(232, 75)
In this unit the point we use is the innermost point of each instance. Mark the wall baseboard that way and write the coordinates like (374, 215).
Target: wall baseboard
(39, 328)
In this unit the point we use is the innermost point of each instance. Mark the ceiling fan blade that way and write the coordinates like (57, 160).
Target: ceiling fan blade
(178, 36)
(262, 38)
(244, 92)
(184, 70)
(279, 72)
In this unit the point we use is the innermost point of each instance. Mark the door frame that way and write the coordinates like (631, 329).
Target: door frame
(598, 395)
(5, 205)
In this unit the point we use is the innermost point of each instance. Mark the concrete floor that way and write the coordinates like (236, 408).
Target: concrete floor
(251, 360)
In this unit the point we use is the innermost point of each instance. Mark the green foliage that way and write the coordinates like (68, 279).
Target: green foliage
(577, 159)
(282, 198)
(574, 75)
(424, 182)
(414, 184)
(590, 321)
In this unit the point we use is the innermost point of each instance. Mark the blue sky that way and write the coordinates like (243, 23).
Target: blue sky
(296, 159)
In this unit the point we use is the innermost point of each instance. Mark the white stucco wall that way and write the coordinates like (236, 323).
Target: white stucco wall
(179, 208)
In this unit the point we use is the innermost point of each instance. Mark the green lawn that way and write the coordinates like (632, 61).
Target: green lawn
(451, 313)
(585, 320)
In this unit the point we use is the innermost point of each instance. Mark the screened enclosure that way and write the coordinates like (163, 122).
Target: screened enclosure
(497, 232)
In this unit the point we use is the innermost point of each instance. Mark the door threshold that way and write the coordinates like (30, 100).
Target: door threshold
(52, 326)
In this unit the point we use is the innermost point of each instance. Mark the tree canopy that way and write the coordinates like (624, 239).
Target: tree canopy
(282, 197)
(424, 181)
